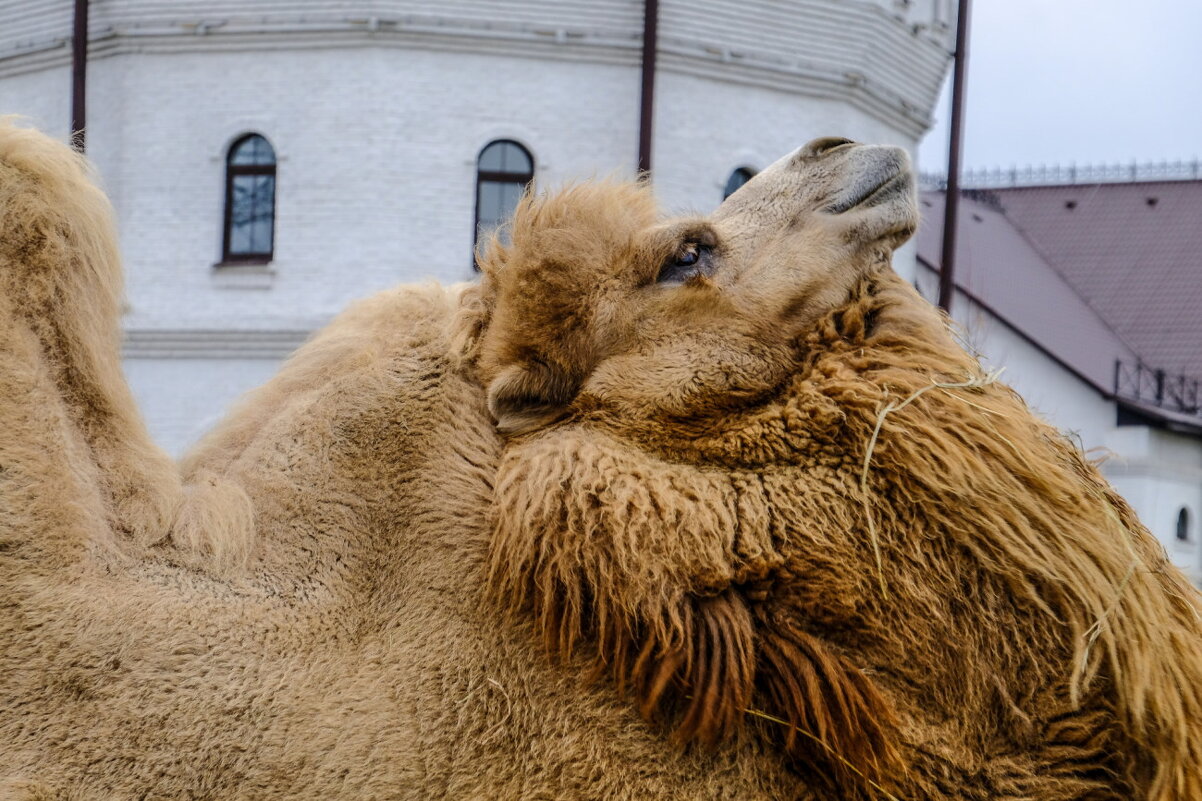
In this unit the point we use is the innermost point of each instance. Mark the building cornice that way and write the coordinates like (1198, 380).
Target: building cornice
(678, 55)
(210, 344)
(849, 87)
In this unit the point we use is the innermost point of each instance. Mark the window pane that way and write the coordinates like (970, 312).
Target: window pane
(497, 200)
(517, 161)
(490, 157)
(512, 194)
(251, 215)
(490, 204)
(254, 150)
(506, 157)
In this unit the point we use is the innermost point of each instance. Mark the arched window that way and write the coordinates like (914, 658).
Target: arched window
(503, 170)
(737, 179)
(249, 234)
(1183, 521)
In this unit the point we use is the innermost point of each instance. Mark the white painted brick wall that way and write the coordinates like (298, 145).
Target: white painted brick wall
(183, 398)
(376, 174)
(44, 97)
(376, 145)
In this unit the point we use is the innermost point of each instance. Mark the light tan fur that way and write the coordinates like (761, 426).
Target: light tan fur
(59, 332)
(346, 594)
(313, 624)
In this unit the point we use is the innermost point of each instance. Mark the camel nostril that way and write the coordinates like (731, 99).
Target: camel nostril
(824, 145)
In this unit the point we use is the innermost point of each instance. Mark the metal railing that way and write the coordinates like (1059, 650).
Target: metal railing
(1062, 174)
(1169, 391)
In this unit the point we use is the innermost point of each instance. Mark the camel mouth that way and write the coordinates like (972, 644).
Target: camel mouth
(885, 176)
(872, 192)
(892, 186)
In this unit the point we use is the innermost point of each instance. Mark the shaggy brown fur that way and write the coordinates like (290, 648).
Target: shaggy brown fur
(835, 525)
(345, 597)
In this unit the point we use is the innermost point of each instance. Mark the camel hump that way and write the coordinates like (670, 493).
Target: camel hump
(67, 414)
(58, 232)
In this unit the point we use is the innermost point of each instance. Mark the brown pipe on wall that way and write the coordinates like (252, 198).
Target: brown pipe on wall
(647, 105)
(79, 74)
(951, 205)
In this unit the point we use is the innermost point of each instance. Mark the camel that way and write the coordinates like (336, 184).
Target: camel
(710, 507)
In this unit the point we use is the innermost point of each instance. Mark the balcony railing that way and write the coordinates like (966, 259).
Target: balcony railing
(1169, 391)
(1062, 174)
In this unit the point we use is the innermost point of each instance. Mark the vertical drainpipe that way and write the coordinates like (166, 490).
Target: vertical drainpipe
(951, 206)
(79, 74)
(647, 105)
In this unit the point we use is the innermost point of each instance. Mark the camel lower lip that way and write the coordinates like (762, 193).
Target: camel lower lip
(868, 195)
(886, 188)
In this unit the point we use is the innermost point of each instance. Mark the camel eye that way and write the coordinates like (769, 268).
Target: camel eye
(692, 260)
(688, 257)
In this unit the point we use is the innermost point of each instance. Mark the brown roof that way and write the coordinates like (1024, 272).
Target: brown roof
(999, 268)
(1091, 274)
(1133, 251)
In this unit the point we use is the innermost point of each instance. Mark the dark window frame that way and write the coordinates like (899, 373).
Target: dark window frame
(497, 176)
(233, 171)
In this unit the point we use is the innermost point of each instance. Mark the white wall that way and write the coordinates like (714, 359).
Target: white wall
(43, 96)
(376, 175)
(377, 132)
(886, 56)
(183, 398)
(1051, 391)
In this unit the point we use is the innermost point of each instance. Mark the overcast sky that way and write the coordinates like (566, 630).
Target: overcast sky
(1085, 81)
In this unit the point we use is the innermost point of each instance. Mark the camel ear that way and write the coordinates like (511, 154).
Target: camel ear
(526, 397)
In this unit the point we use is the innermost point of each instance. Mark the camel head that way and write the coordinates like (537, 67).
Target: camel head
(617, 347)
(747, 469)
(600, 303)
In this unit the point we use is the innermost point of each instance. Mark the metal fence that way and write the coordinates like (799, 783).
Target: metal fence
(1169, 391)
(1061, 175)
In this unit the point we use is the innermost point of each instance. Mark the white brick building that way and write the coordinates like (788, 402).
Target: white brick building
(377, 111)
